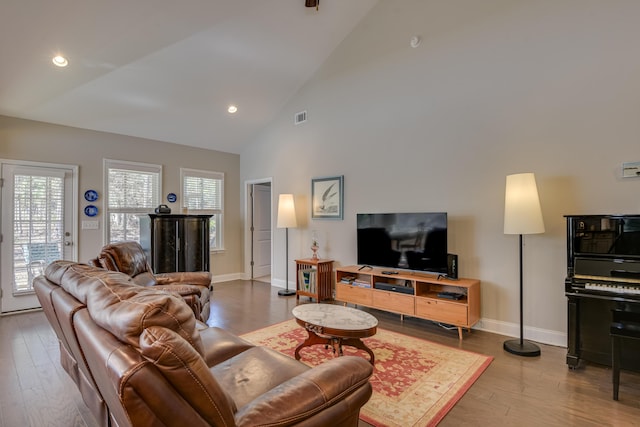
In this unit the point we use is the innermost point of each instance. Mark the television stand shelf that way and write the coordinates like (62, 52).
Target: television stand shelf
(454, 302)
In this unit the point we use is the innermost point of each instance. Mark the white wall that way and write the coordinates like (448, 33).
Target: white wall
(496, 87)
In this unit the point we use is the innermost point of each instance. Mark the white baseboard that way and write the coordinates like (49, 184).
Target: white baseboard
(279, 283)
(227, 277)
(544, 336)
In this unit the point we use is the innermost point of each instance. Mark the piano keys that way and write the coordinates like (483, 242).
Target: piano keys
(612, 288)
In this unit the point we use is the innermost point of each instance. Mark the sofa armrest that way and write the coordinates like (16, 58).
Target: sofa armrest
(183, 290)
(189, 294)
(310, 393)
(199, 278)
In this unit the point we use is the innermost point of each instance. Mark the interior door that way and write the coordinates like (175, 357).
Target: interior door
(38, 223)
(262, 230)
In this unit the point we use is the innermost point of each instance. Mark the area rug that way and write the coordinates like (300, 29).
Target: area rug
(415, 382)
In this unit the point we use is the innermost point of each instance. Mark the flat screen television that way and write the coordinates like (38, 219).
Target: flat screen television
(407, 241)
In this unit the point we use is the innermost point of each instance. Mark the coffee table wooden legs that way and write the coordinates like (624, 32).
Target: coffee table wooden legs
(335, 342)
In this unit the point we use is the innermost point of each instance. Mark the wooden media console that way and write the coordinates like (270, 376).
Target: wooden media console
(454, 302)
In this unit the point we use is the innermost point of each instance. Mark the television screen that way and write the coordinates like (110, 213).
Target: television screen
(409, 241)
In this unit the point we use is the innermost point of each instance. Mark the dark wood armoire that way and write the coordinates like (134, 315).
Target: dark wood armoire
(176, 242)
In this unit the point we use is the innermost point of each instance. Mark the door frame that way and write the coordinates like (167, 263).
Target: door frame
(248, 217)
(73, 202)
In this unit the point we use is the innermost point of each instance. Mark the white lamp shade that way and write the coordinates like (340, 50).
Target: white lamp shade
(286, 212)
(522, 212)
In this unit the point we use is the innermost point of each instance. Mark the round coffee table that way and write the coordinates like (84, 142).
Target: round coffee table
(335, 326)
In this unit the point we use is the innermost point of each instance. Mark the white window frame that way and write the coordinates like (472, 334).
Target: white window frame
(218, 214)
(134, 167)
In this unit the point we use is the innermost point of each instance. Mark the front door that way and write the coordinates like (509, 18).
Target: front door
(38, 223)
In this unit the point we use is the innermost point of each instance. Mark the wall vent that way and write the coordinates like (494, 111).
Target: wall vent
(300, 117)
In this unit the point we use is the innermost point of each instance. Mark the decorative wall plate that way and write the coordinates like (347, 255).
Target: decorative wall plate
(171, 197)
(91, 210)
(91, 195)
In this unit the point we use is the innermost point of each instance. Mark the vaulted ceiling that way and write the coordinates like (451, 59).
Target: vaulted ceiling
(165, 69)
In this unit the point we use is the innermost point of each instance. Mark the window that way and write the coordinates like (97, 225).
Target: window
(203, 193)
(132, 189)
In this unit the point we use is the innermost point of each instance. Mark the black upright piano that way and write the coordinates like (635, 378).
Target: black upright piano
(603, 274)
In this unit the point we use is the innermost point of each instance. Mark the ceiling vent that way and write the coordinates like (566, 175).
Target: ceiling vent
(300, 117)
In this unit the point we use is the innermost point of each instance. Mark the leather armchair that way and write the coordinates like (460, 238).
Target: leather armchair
(129, 258)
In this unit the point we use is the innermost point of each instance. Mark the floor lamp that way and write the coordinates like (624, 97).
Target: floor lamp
(286, 220)
(522, 215)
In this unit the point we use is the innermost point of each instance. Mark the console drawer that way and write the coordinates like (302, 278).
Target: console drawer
(442, 311)
(393, 301)
(353, 294)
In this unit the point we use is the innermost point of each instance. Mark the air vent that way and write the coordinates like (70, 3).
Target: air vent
(300, 117)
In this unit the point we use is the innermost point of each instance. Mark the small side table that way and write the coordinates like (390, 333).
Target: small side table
(318, 283)
(335, 326)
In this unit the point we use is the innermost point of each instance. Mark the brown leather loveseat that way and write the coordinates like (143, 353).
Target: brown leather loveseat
(128, 257)
(139, 360)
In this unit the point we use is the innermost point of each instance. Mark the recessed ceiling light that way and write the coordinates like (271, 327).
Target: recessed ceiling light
(232, 109)
(60, 61)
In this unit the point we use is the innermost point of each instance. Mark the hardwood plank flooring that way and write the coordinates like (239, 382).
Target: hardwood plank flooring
(514, 391)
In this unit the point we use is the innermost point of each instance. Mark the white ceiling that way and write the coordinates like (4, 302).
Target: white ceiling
(166, 69)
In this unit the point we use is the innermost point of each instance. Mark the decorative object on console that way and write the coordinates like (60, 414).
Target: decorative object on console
(522, 215)
(314, 244)
(286, 220)
(327, 197)
(163, 209)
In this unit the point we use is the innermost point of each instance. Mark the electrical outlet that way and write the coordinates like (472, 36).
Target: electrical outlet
(631, 170)
(90, 225)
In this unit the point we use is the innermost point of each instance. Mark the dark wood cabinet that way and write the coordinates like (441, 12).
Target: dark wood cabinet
(176, 242)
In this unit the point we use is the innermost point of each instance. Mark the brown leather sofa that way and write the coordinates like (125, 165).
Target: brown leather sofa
(139, 359)
(129, 258)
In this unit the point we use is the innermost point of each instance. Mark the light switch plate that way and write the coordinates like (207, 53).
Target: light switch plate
(631, 170)
(90, 225)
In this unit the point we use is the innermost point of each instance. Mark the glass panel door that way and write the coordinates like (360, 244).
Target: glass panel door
(37, 207)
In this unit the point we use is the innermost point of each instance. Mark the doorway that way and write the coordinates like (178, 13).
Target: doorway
(259, 230)
(39, 221)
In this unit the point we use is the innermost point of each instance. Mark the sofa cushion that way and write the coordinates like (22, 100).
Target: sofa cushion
(342, 382)
(254, 372)
(186, 370)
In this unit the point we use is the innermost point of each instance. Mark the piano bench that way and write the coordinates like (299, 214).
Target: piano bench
(625, 325)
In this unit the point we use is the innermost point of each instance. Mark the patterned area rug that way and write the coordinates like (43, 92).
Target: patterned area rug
(415, 382)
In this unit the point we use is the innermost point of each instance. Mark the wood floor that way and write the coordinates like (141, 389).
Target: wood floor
(513, 391)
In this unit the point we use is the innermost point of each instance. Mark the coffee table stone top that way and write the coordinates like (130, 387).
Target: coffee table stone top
(336, 317)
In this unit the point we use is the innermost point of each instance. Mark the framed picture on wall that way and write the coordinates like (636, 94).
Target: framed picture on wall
(327, 197)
